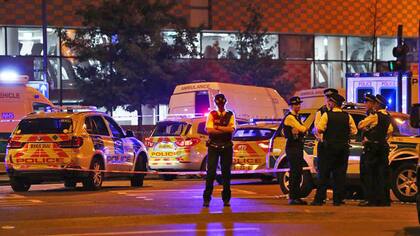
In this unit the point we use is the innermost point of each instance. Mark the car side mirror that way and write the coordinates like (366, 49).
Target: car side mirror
(415, 116)
(129, 133)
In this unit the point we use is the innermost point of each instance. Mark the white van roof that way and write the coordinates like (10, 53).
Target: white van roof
(314, 98)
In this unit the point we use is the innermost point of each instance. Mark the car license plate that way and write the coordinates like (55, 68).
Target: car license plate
(40, 145)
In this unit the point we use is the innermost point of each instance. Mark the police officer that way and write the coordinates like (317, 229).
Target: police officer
(294, 131)
(370, 103)
(320, 145)
(327, 93)
(220, 126)
(336, 126)
(377, 128)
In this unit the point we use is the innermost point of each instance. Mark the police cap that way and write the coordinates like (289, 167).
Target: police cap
(370, 98)
(330, 91)
(336, 98)
(295, 100)
(381, 100)
(220, 99)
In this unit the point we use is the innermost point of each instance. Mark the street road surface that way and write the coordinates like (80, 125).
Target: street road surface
(175, 208)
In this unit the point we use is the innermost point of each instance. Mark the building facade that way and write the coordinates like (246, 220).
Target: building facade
(317, 40)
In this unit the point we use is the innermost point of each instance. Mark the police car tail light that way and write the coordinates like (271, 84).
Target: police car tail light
(74, 142)
(187, 142)
(14, 144)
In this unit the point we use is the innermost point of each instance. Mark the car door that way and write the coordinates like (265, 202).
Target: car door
(123, 147)
(356, 147)
(99, 134)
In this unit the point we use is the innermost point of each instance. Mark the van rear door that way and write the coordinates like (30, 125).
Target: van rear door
(195, 103)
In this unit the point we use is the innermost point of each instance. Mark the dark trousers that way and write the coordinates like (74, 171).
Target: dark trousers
(226, 156)
(294, 154)
(376, 173)
(335, 162)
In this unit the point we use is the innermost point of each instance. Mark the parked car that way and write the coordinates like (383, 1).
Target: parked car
(178, 145)
(44, 146)
(251, 145)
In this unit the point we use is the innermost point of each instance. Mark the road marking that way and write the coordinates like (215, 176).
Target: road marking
(244, 191)
(13, 200)
(8, 227)
(162, 231)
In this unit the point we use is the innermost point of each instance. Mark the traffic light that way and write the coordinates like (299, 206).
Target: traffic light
(400, 52)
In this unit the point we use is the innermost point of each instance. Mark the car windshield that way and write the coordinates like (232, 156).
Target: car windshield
(252, 134)
(402, 127)
(169, 129)
(44, 126)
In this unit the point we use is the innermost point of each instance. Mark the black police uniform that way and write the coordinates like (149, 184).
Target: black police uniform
(362, 164)
(336, 143)
(219, 145)
(294, 154)
(375, 153)
(320, 147)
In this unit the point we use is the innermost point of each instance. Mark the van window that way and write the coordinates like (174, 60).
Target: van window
(202, 102)
(170, 128)
(37, 106)
(391, 96)
(45, 126)
(252, 134)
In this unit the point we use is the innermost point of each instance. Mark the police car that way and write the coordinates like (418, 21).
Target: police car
(65, 145)
(178, 144)
(402, 158)
(251, 145)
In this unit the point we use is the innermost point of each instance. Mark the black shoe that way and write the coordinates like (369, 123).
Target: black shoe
(226, 204)
(297, 202)
(317, 203)
(338, 203)
(206, 203)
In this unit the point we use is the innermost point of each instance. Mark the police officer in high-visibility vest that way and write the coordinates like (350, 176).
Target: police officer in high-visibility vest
(377, 128)
(220, 126)
(336, 126)
(320, 150)
(294, 132)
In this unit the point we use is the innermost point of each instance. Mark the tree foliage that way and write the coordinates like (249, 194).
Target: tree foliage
(125, 60)
(255, 64)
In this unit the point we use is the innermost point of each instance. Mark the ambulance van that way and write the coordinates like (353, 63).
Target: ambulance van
(314, 98)
(16, 101)
(247, 102)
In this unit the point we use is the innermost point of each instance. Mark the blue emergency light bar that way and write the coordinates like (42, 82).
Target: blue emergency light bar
(377, 74)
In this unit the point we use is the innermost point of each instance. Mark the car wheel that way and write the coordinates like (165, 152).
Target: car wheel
(404, 182)
(19, 185)
(95, 177)
(70, 183)
(305, 184)
(168, 177)
(137, 179)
